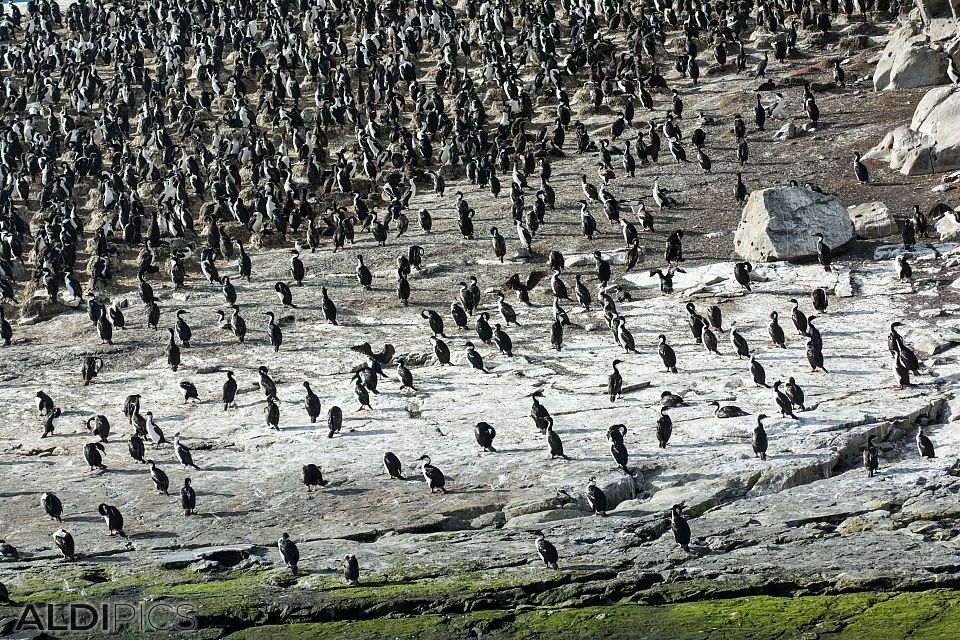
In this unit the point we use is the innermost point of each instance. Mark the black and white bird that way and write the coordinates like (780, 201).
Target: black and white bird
(113, 518)
(52, 506)
(434, 477)
(92, 454)
(183, 453)
(484, 434)
(64, 542)
(860, 169)
(188, 390)
(188, 498)
(952, 72)
(546, 550)
(924, 444)
(312, 477)
(597, 499)
(159, 477)
(680, 527)
(289, 552)
(351, 570)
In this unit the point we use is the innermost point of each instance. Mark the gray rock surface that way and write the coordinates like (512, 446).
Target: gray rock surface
(872, 220)
(948, 227)
(806, 520)
(938, 118)
(901, 146)
(931, 143)
(908, 61)
(778, 224)
(788, 131)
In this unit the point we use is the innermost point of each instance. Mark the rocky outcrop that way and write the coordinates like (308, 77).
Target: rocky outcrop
(938, 118)
(779, 223)
(909, 61)
(948, 227)
(938, 13)
(805, 521)
(931, 143)
(902, 147)
(872, 220)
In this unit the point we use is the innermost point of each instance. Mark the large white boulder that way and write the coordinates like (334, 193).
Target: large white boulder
(872, 220)
(779, 223)
(931, 144)
(938, 118)
(909, 61)
(897, 146)
(948, 227)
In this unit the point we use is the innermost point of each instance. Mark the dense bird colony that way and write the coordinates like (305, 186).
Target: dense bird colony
(262, 263)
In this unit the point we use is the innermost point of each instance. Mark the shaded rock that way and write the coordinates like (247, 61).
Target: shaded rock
(855, 43)
(872, 220)
(535, 520)
(237, 231)
(908, 62)
(267, 239)
(954, 469)
(203, 566)
(778, 224)
(494, 519)
(39, 308)
(223, 556)
(213, 368)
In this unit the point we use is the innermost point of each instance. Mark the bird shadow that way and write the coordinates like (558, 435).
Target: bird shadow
(86, 519)
(358, 431)
(151, 535)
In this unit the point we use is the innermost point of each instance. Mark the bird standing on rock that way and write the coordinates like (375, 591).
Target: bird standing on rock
(434, 477)
(871, 457)
(546, 551)
(759, 439)
(351, 570)
(680, 527)
(289, 552)
(188, 498)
